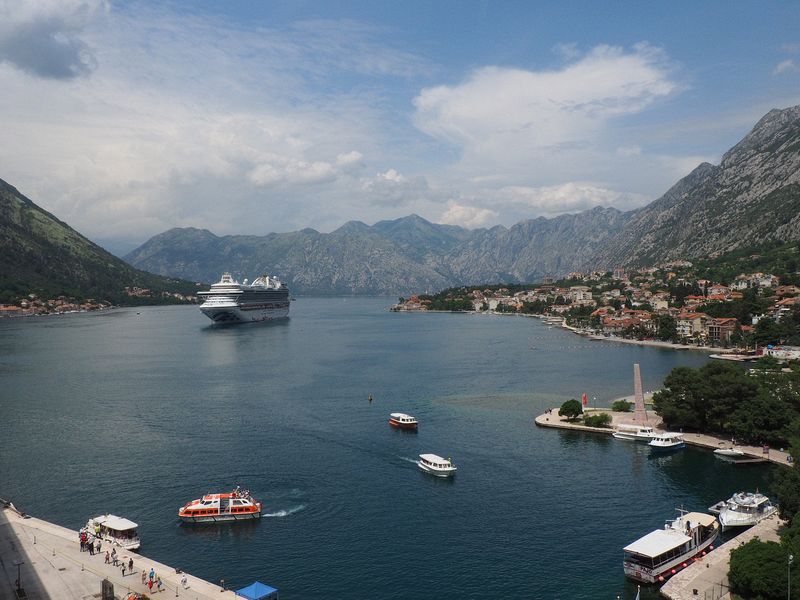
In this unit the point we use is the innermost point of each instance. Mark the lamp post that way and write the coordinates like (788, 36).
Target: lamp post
(19, 563)
(789, 578)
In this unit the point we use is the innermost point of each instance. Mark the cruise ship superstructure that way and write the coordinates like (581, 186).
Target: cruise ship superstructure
(229, 301)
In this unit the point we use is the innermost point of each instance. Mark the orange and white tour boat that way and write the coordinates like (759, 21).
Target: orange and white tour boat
(237, 505)
(402, 421)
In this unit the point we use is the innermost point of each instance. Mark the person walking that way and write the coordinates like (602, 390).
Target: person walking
(150, 585)
(130, 565)
(152, 574)
(184, 581)
(144, 577)
(160, 584)
(108, 558)
(99, 546)
(123, 568)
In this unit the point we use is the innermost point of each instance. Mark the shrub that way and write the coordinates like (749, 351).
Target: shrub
(622, 406)
(601, 420)
(758, 570)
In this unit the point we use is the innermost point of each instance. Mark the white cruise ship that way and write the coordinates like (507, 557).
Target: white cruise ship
(229, 301)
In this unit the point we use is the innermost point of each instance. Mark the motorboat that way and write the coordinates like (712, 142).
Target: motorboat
(663, 552)
(402, 421)
(743, 509)
(113, 529)
(666, 442)
(731, 453)
(436, 465)
(238, 505)
(634, 433)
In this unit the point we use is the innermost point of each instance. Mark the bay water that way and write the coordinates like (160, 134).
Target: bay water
(136, 411)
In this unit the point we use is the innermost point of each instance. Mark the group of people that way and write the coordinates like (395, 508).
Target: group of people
(150, 579)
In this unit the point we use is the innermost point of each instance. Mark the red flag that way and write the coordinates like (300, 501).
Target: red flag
(584, 399)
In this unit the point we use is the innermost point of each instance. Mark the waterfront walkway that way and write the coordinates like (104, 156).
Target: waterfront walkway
(51, 565)
(701, 440)
(707, 579)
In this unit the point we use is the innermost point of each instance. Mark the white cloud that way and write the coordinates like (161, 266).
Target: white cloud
(786, 66)
(467, 216)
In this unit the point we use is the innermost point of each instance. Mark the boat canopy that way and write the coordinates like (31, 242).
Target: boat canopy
(116, 523)
(433, 458)
(657, 542)
(696, 518)
(257, 591)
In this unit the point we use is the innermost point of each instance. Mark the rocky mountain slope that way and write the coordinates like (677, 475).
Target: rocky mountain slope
(42, 255)
(752, 196)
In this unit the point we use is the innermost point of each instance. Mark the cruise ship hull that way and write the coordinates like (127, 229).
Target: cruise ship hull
(234, 313)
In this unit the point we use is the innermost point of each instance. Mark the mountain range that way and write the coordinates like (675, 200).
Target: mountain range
(752, 196)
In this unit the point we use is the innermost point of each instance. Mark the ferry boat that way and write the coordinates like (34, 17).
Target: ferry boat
(743, 509)
(114, 529)
(666, 442)
(663, 552)
(436, 465)
(229, 301)
(237, 505)
(402, 421)
(635, 433)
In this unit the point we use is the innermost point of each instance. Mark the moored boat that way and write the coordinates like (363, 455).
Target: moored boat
(666, 442)
(436, 465)
(634, 433)
(743, 509)
(729, 453)
(237, 505)
(403, 421)
(116, 530)
(663, 552)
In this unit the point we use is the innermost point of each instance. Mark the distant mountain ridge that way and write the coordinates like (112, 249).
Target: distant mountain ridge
(751, 197)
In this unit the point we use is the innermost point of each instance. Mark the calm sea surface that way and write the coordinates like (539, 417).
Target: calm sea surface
(135, 412)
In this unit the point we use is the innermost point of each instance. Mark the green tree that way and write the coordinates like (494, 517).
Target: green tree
(667, 328)
(601, 420)
(622, 406)
(571, 409)
(758, 571)
(680, 403)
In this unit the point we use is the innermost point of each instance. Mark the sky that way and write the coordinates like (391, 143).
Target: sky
(125, 119)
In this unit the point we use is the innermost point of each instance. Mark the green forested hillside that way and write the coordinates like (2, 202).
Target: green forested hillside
(42, 255)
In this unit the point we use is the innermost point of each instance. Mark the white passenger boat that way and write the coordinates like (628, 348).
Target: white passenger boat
(663, 552)
(403, 421)
(634, 433)
(114, 529)
(436, 465)
(666, 442)
(743, 509)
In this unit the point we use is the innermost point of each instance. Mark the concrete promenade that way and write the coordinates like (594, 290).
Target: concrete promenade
(695, 439)
(54, 567)
(709, 575)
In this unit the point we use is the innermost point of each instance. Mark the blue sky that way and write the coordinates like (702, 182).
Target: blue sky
(126, 119)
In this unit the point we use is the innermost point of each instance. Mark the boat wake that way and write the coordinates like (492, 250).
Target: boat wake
(411, 460)
(285, 512)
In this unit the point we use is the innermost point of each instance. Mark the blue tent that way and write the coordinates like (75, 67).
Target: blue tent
(258, 591)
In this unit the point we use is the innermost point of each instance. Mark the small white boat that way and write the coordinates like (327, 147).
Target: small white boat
(743, 509)
(402, 421)
(664, 442)
(436, 465)
(635, 433)
(732, 452)
(114, 529)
